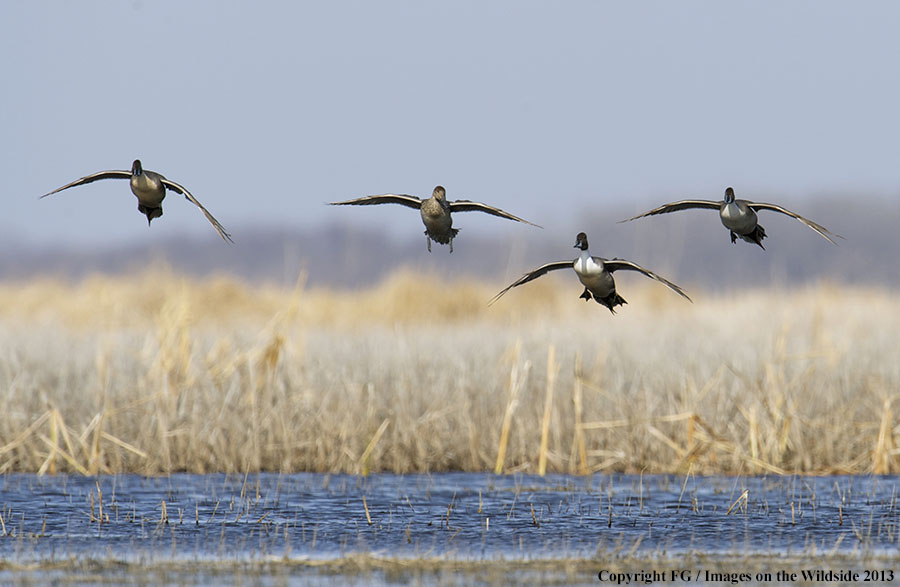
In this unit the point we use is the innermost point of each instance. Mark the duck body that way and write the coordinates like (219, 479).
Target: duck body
(741, 220)
(435, 212)
(149, 189)
(599, 284)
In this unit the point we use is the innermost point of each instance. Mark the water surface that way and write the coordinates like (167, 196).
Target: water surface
(454, 516)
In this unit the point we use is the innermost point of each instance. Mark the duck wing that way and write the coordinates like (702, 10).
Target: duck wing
(542, 270)
(190, 198)
(616, 264)
(676, 206)
(826, 234)
(114, 174)
(470, 206)
(402, 199)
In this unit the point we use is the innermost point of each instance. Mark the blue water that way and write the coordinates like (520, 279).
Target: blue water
(459, 516)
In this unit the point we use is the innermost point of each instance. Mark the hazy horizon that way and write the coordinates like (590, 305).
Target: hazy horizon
(691, 248)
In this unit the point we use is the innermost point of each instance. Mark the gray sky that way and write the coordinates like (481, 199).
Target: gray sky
(266, 110)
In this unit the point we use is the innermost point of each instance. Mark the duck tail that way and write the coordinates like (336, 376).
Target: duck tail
(755, 237)
(758, 234)
(611, 301)
(443, 238)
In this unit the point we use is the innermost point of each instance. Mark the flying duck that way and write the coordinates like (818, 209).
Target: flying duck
(595, 273)
(739, 216)
(435, 212)
(150, 189)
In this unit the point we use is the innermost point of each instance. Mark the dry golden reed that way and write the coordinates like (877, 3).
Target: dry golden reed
(155, 373)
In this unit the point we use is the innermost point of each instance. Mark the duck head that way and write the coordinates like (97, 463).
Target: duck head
(136, 168)
(439, 193)
(729, 195)
(581, 241)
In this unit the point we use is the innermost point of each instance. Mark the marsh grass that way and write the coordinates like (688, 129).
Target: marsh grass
(156, 373)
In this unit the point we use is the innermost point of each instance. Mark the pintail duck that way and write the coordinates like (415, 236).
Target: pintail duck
(739, 216)
(435, 212)
(150, 189)
(595, 273)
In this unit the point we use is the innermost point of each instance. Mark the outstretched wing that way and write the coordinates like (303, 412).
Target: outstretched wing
(616, 264)
(542, 270)
(469, 206)
(212, 220)
(676, 206)
(402, 199)
(114, 174)
(827, 234)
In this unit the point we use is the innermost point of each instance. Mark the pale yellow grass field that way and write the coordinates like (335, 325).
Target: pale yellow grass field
(157, 373)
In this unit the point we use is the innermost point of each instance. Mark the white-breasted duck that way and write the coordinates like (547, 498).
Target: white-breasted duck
(595, 273)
